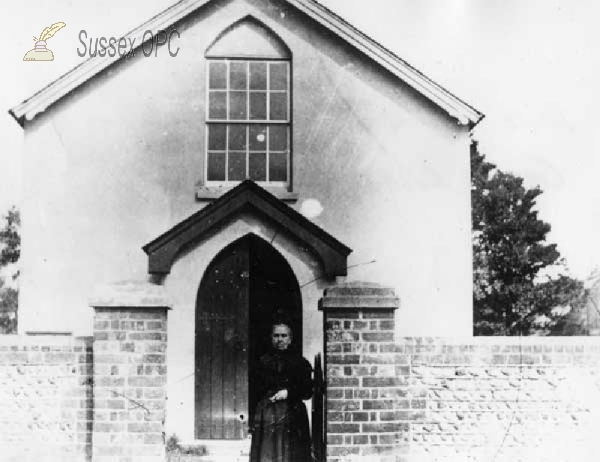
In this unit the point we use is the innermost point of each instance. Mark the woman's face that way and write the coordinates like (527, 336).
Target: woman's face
(281, 337)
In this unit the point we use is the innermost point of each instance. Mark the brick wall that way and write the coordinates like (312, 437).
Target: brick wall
(129, 384)
(388, 399)
(434, 399)
(45, 398)
(502, 399)
(99, 398)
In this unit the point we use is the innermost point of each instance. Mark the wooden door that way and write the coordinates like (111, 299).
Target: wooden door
(247, 285)
(222, 347)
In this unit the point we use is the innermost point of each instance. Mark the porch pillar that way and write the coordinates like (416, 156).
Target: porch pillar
(130, 341)
(361, 374)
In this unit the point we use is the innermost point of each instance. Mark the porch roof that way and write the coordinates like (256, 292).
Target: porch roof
(246, 197)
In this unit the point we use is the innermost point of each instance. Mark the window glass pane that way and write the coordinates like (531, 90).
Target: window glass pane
(258, 138)
(278, 138)
(277, 167)
(216, 166)
(237, 137)
(218, 76)
(278, 109)
(279, 78)
(258, 166)
(237, 105)
(258, 106)
(217, 137)
(217, 108)
(238, 75)
(237, 166)
(258, 76)
(243, 98)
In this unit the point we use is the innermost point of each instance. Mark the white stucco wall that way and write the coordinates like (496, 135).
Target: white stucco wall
(115, 164)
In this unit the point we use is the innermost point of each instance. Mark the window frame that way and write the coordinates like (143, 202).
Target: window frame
(248, 122)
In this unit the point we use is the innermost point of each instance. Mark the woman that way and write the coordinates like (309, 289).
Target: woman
(282, 380)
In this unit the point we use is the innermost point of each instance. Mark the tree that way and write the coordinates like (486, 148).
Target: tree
(514, 292)
(10, 250)
(585, 318)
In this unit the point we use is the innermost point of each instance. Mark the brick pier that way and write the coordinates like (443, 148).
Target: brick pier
(130, 341)
(364, 403)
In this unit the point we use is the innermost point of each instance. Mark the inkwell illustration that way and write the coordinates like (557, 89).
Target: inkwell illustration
(40, 52)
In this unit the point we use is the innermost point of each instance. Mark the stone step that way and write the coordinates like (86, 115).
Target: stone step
(208, 458)
(212, 451)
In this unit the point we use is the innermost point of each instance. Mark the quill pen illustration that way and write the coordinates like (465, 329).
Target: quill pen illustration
(49, 32)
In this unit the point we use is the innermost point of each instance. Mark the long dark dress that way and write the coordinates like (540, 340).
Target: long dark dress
(280, 430)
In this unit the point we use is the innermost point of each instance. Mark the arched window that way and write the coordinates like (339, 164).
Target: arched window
(248, 110)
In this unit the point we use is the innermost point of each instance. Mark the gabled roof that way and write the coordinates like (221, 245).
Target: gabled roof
(246, 197)
(56, 90)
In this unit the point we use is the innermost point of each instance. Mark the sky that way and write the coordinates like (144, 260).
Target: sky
(531, 66)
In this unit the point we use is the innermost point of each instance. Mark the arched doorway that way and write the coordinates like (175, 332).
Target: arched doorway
(244, 288)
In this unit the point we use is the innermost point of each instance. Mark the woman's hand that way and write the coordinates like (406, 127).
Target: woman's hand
(279, 396)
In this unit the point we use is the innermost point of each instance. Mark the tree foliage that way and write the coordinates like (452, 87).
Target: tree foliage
(510, 257)
(10, 250)
(10, 238)
(585, 318)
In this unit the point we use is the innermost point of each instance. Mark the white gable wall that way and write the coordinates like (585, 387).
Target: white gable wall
(115, 164)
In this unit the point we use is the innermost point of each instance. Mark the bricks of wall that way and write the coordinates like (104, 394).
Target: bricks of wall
(45, 398)
(129, 384)
(365, 412)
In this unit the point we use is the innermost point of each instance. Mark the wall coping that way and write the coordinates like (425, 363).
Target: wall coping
(19, 340)
(130, 294)
(359, 295)
(501, 340)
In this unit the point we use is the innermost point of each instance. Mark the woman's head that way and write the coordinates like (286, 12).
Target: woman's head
(281, 336)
